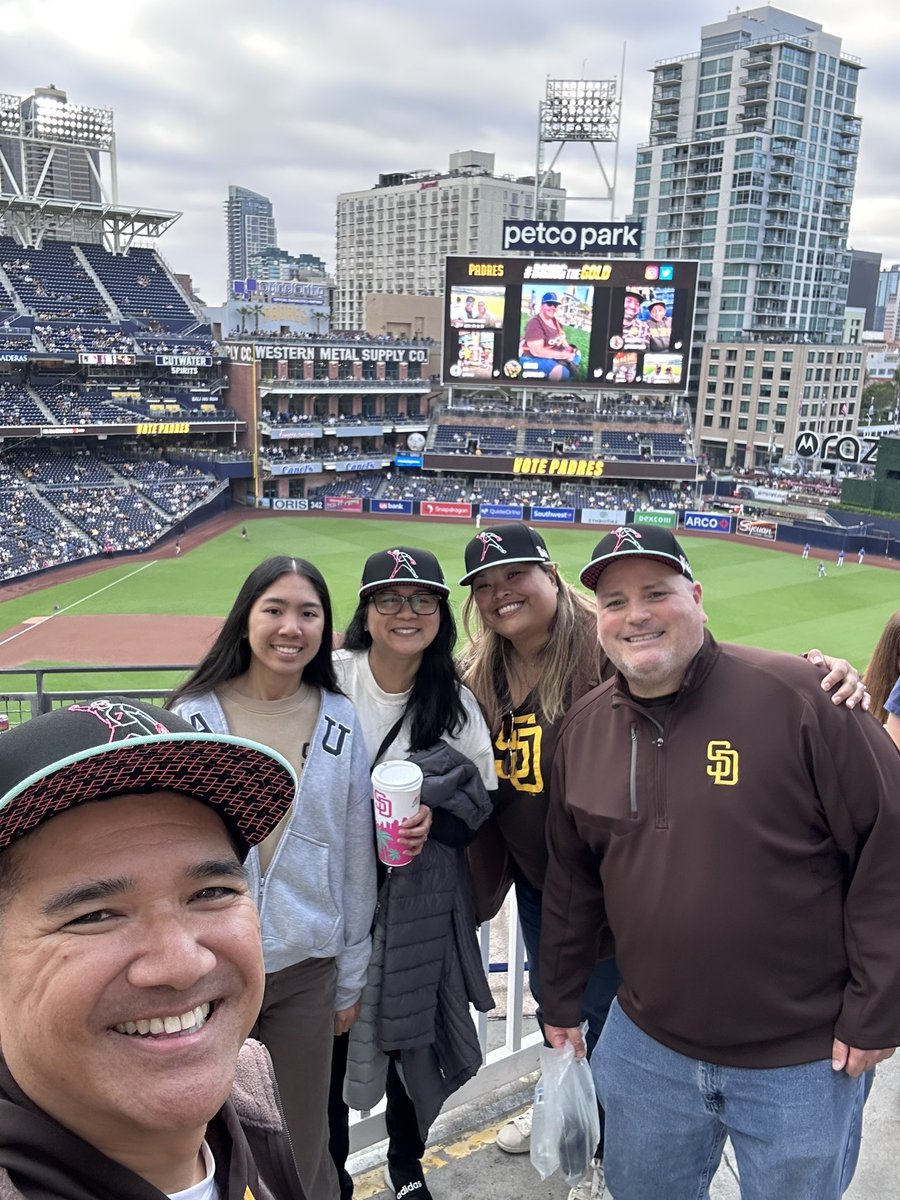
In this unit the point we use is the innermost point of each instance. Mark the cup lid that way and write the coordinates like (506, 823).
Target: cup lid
(397, 773)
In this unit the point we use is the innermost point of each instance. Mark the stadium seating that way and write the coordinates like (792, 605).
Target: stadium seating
(60, 506)
(492, 439)
(17, 407)
(73, 405)
(139, 284)
(540, 440)
(31, 536)
(15, 331)
(408, 486)
(669, 445)
(84, 338)
(51, 282)
(55, 467)
(343, 485)
(663, 497)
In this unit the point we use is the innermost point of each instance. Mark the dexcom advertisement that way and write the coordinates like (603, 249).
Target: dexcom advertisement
(617, 324)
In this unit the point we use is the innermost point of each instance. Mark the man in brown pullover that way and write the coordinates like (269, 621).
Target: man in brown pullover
(738, 835)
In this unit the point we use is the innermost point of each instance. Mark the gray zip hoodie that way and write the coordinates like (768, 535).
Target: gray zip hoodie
(317, 898)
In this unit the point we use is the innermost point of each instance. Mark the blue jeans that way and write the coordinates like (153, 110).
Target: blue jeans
(795, 1130)
(602, 985)
(546, 365)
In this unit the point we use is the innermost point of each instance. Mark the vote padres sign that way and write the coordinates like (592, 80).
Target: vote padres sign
(572, 237)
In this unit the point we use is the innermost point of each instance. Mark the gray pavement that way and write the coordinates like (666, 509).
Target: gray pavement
(462, 1163)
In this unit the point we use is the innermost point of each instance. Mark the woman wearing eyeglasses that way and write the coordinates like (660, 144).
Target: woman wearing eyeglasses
(533, 653)
(397, 666)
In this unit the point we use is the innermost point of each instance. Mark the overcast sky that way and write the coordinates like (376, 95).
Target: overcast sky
(301, 101)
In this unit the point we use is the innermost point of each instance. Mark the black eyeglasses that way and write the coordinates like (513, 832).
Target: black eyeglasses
(423, 604)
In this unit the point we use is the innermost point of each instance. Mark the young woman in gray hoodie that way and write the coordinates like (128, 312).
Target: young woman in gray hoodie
(269, 677)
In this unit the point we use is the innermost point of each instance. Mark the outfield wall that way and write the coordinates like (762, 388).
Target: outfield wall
(881, 537)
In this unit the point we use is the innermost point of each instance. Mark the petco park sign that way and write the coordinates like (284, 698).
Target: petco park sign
(582, 237)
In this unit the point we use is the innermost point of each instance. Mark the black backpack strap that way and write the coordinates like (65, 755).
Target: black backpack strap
(387, 739)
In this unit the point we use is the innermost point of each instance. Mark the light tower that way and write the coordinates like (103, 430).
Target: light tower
(58, 174)
(580, 111)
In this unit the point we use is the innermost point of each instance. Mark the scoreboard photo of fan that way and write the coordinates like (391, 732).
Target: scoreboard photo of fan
(617, 324)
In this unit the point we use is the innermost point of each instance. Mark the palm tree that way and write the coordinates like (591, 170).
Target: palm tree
(244, 311)
(320, 315)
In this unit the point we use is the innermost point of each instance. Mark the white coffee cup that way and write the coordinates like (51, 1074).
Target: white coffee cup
(396, 791)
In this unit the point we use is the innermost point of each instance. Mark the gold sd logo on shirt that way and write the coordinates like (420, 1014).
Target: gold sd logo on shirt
(723, 763)
(518, 747)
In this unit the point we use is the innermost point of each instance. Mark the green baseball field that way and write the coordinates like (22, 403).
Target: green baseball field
(753, 594)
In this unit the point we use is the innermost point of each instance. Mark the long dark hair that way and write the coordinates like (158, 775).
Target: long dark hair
(882, 672)
(229, 654)
(434, 706)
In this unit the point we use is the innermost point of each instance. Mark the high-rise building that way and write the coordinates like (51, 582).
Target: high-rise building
(750, 168)
(250, 227)
(274, 263)
(394, 236)
(865, 268)
(887, 308)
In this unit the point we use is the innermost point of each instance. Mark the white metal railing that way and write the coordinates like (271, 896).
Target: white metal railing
(517, 1056)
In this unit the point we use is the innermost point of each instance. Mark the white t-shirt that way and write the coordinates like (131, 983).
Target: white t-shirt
(378, 711)
(206, 1189)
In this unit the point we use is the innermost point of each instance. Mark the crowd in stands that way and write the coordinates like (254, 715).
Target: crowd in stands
(78, 339)
(566, 408)
(600, 439)
(51, 282)
(334, 336)
(790, 483)
(59, 506)
(71, 403)
(19, 341)
(30, 538)
(276, 452)
(138, 284)
(347, 485)
(619, 444)
(321, 381)
(17, 407)
(487, 490)
(74, 405)
(113, 519)
(185, 345)
(573, 441)
(14, 336)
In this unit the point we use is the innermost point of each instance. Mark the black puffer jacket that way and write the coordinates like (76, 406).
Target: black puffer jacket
(426, 964)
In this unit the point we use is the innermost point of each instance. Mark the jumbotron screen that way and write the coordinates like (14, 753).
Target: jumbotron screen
(612, 324)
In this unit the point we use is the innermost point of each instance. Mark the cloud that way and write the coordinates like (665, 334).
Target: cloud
(300, 102)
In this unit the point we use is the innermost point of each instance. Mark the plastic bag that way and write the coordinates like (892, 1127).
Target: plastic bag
(566, 1125)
